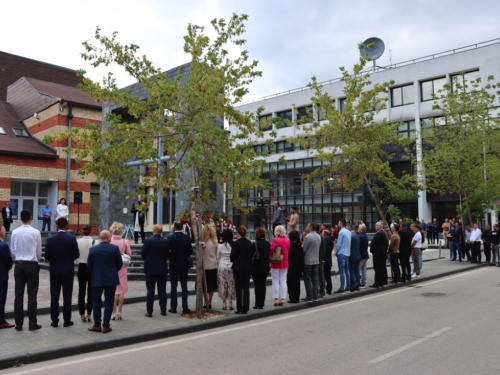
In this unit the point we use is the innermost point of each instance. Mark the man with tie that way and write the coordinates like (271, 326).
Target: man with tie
(5, 266)
(378, 248)
(61, 251)
(180, 251)
(7, 216)
(26, 248)
(104, 262)
(155, 254)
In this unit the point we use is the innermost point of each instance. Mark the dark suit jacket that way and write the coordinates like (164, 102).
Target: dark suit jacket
(241, 255)
(155, 254)
(322, 249)
(4, 215)
(104, 261)
(328, 254)
(262, 265)
(5, 261)
(379, 244)
(355, 240)
(180, 251)
(363, 246)
(405, 240)
(296, 257)
(62, 250)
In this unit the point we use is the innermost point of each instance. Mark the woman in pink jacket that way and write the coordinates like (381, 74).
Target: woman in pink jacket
(280, 269)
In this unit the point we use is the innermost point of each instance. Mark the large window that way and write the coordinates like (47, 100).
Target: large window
(402, 95)
(264, 122)
(432, 87)
(94, 204)
(427, 125)
(465, 79)
(407, 129)
(341, 105)
(305, 114)
(286, 117)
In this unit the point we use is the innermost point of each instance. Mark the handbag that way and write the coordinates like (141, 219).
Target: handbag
(277, 256)
(256, 255)
(125, 257)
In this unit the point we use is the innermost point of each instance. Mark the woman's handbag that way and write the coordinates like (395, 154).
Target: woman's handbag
(125, 259)
(277, 256)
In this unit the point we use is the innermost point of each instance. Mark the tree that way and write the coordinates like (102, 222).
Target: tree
(461, 154)
(353, 144)
(184, 115)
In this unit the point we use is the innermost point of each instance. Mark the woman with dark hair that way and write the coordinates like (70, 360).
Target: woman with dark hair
(295, 267)
(225, 273)
(241, 255)
(62, 209)
(84, 274)
(260, 267)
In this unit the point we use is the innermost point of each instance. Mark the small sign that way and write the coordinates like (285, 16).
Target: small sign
(125, 210)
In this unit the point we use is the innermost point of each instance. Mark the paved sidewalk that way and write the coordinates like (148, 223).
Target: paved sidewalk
(49, 343)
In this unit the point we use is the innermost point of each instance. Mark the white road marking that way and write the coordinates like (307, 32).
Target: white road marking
(409, 346)
(239, 328)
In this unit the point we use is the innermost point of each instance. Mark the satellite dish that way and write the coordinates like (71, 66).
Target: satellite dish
(375, 51)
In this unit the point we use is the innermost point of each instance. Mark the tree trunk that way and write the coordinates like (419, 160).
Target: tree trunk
(197, 236)
(376, 200)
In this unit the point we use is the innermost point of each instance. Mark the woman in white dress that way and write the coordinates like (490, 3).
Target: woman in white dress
(62, 209)
(226, 287)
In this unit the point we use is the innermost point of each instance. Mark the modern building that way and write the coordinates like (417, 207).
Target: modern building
(33, 173)
(409, 101)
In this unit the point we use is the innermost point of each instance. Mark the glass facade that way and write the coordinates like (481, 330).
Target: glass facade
(289, 186)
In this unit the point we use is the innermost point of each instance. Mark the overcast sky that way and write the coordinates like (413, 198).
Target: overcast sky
(292, 40)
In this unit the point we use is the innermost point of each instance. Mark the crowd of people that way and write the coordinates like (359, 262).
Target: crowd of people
(229, 265)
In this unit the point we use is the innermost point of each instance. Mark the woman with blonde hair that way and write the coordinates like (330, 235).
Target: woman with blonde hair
(279, 269)
(210, 262)
(122, 289)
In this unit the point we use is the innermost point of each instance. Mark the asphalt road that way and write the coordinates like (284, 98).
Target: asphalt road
(395, 332)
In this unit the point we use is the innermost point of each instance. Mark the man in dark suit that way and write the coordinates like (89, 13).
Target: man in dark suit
(5, 266)
(7, 216)
(104, 262)
(180, 251)
(406, 237)
(155, 254)
(329, 245)
(62, 251)
(378, 248)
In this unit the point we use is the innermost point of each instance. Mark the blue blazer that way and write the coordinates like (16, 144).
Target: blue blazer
(105, 260)
(155, 254)
(180, 251)
(5, 261)
(62, 250)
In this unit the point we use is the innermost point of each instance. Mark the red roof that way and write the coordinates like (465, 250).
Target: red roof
(63, 92)
(10, 143)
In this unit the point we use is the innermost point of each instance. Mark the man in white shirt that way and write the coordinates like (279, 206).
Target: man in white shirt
(416, 245)
(475, 238)
(26, 248)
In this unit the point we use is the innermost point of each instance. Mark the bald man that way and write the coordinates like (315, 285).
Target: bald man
(104, 262)
(155, 254)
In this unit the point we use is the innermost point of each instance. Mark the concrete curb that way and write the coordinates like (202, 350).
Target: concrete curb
(111, 342)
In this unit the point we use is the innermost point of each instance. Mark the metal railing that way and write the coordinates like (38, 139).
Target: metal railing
(392, 66)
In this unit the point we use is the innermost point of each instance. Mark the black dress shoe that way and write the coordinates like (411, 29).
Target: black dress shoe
(186, 311)
(163, 314)
(69, 323)
(172, 311)
(55, 325)
(374, 286)
(238, 312)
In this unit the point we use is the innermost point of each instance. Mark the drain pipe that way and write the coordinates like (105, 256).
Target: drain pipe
(68, 155)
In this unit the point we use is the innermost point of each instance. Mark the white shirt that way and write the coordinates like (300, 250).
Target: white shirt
(223, 255)
(84, 245)
(7, 212)
(62, 210)
(26, 244)
(417, 237)
(475, 235)
(468, 235)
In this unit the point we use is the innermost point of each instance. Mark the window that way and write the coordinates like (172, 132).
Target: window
(407, 129)
(305, 114)
(402, 95)
(341, 104)
(432, 87)
(427, 124)
(466, 79)
(19, 132)
(94, 204)
(2, 131)
(264, 122)
(285, 116)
